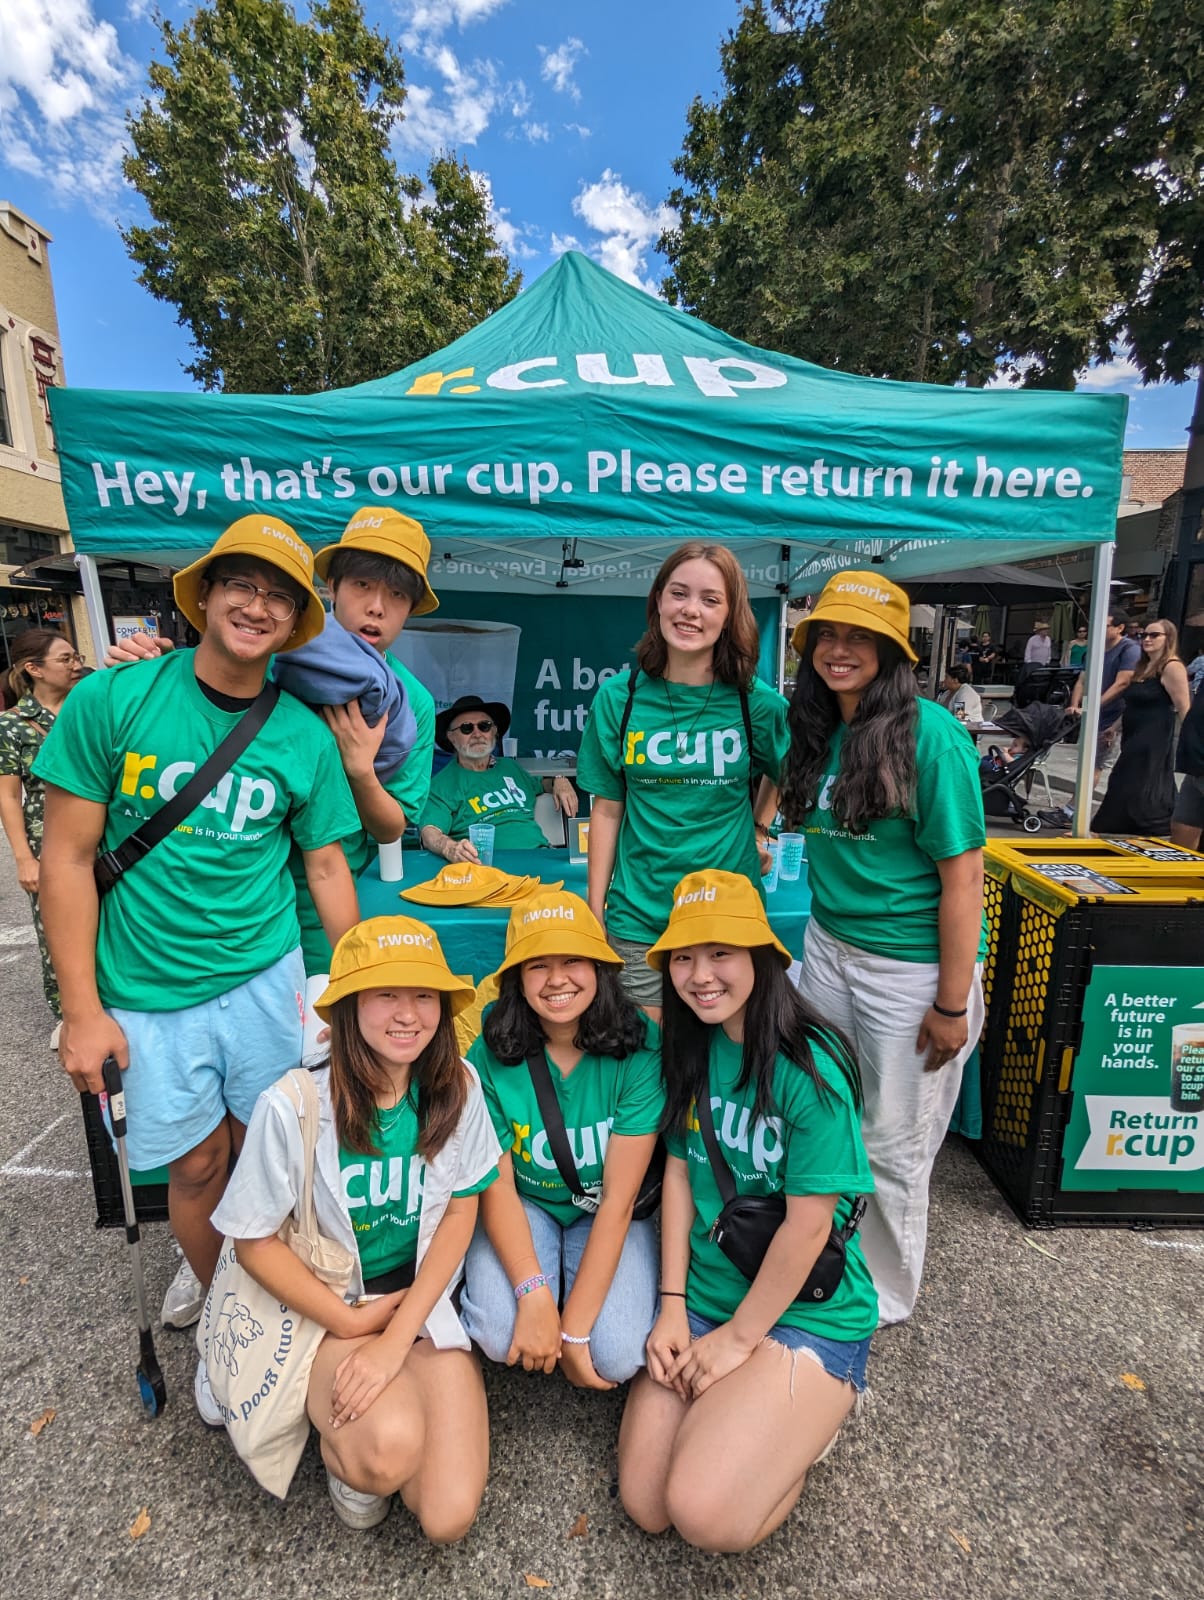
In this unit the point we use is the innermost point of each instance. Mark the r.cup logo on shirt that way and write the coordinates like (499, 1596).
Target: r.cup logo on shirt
(714, 752)
(824, 800)
(385, 941)
(385, 1182)
(255, 799)
(498, 799)
(732, 1127)
(588, 1145)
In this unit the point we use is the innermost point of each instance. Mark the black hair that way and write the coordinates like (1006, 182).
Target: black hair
(610, 1025)
(777, 1021)
(960, 671)
(877, 775)
(247, 566)
(375, 568)
(1119, 617)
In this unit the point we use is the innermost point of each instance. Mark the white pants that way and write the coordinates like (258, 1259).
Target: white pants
(879, 1003)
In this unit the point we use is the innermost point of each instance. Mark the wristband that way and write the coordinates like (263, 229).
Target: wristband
(529, 1285)
(941, 1012)
(568, 1338)
(671, 1294)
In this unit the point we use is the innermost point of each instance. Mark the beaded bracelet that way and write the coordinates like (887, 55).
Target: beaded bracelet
(529, 1285)
(568, 1338)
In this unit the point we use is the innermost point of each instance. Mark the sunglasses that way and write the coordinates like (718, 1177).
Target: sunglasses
(1148, 635)
(470, 727)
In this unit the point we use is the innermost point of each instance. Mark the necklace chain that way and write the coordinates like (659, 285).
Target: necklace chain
(682, 740)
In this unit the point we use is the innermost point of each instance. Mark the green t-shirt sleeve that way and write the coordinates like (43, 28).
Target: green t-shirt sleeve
(771, 738)
(411, 785)
(476, 1188)
(599, 760)
(949, 815)
(326, 812)
(77, 753)
(641, 1095)
(821, 1132)
(439, 808)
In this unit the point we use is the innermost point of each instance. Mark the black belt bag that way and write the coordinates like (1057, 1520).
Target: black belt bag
(647, 1201)
(745, 1227)
(111, 864)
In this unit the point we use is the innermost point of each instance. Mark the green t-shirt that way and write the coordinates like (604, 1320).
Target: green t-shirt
(408, 786)
(384, 1192)
(214, 904)
(684, 782)
(880, 890)
(599, 1097)
(503, 794)
(812, 1145)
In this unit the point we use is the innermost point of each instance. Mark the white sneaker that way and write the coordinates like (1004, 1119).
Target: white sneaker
(357, 1510)
(207, 1407)
(184, 1300)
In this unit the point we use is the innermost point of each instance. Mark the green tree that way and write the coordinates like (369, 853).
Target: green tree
(298, 257)
(938, 188)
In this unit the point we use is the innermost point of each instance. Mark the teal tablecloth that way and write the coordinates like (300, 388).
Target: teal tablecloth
(474, 937)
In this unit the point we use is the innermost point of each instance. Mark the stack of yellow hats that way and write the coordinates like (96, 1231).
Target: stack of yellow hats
(467, 883)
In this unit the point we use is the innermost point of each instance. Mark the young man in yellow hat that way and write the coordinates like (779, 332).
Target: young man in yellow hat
(188, 971)
(377, 578)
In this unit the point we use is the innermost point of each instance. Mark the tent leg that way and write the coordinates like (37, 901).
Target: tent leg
(1101, 604)
(937, 652)
(783, 638)
(94, 604)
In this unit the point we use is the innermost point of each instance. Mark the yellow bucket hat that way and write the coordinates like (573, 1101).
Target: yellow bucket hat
(391, 952)
(275, 544)
(386, 532)
(716, 908)
(865, 600)
(552, 923)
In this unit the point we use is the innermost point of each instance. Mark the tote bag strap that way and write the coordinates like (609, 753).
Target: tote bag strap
(553, 1122)
(706, 1126)
(304, 1097)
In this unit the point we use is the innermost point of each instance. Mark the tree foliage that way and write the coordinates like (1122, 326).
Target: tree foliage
(297, 255)
(934, 189)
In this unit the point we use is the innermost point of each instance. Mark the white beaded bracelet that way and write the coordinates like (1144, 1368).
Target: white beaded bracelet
(568, 1338)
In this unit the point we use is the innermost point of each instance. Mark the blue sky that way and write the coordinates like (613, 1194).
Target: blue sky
(572, 113)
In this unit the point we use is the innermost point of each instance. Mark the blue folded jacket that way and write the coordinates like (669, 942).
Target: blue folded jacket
(339, 666)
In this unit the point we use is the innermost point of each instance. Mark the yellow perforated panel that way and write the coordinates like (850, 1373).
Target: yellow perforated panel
(1020, 1069)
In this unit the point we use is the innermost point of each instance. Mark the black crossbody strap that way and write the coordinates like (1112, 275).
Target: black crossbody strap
(632, 676)
(748, 734)
(706, 1126)
(553, 1121)
(112, 863)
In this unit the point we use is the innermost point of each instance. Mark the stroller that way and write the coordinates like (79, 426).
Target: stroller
(1043, 726)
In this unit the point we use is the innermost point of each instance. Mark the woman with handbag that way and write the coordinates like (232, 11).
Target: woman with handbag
(562, 1267)
(404, 1146)
(762, 1105)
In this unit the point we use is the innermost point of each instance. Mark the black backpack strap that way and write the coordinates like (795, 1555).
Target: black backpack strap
(632, 676)
(553, 1122)
(706, 1126)
(110, 864)
(748, 734)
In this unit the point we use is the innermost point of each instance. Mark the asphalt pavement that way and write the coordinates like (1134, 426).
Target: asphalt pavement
(1037, 1429)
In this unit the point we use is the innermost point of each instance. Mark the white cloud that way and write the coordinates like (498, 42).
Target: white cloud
(565, 241)
(536, 132)
(1120, 372)
(63, 85)
(628, 226)
(431, 18)
(456, 113)
(508, 234)
(576, 127)
(558, 66)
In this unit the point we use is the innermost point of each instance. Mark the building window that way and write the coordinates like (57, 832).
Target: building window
(6, 428)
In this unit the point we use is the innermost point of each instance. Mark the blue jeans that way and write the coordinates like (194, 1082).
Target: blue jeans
(617, 1338)
(843, 1359)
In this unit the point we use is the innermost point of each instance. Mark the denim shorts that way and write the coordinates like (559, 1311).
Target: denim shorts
(842, 1359)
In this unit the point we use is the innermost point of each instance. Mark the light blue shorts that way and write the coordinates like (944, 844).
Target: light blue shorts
(843, 1359)
(188, 1068)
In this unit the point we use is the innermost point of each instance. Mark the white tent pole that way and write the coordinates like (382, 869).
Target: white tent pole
(94, 605)
(1101, 604)
(783, 637)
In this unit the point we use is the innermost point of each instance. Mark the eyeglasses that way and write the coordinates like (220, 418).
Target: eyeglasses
(241, 591)
(72, 658)
(469, 727)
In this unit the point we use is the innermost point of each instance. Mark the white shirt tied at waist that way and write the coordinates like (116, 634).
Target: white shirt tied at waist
(264, 1187)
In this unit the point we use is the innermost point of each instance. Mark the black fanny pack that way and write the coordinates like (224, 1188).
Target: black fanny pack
(647, 1201)
(745, 1226)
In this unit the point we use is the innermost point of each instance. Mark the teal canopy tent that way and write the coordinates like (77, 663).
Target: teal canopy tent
(574, 437)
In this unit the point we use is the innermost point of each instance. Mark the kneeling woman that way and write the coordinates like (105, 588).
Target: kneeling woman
(405, 1145)
(552, 1274)
(746, 1385)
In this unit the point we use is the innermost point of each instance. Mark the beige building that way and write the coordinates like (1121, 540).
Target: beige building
(33, 521)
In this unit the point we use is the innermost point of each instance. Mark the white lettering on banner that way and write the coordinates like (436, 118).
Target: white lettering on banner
(712, 376)
(511, 377)
(1140, 1133)
(650, 370)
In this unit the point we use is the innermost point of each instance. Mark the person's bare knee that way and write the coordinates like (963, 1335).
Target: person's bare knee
(194, 1174)
(445, 1517)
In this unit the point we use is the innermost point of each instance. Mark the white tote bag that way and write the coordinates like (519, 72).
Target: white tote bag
(257, 1352)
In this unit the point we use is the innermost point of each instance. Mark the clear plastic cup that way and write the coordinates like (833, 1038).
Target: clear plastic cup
(793, 851)
(481, 834)
(769, 879)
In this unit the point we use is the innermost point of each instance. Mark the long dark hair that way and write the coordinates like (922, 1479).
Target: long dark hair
(610, 1025)
(356, 1078)
(734, 659)
(777, 1021)
(877, 773)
